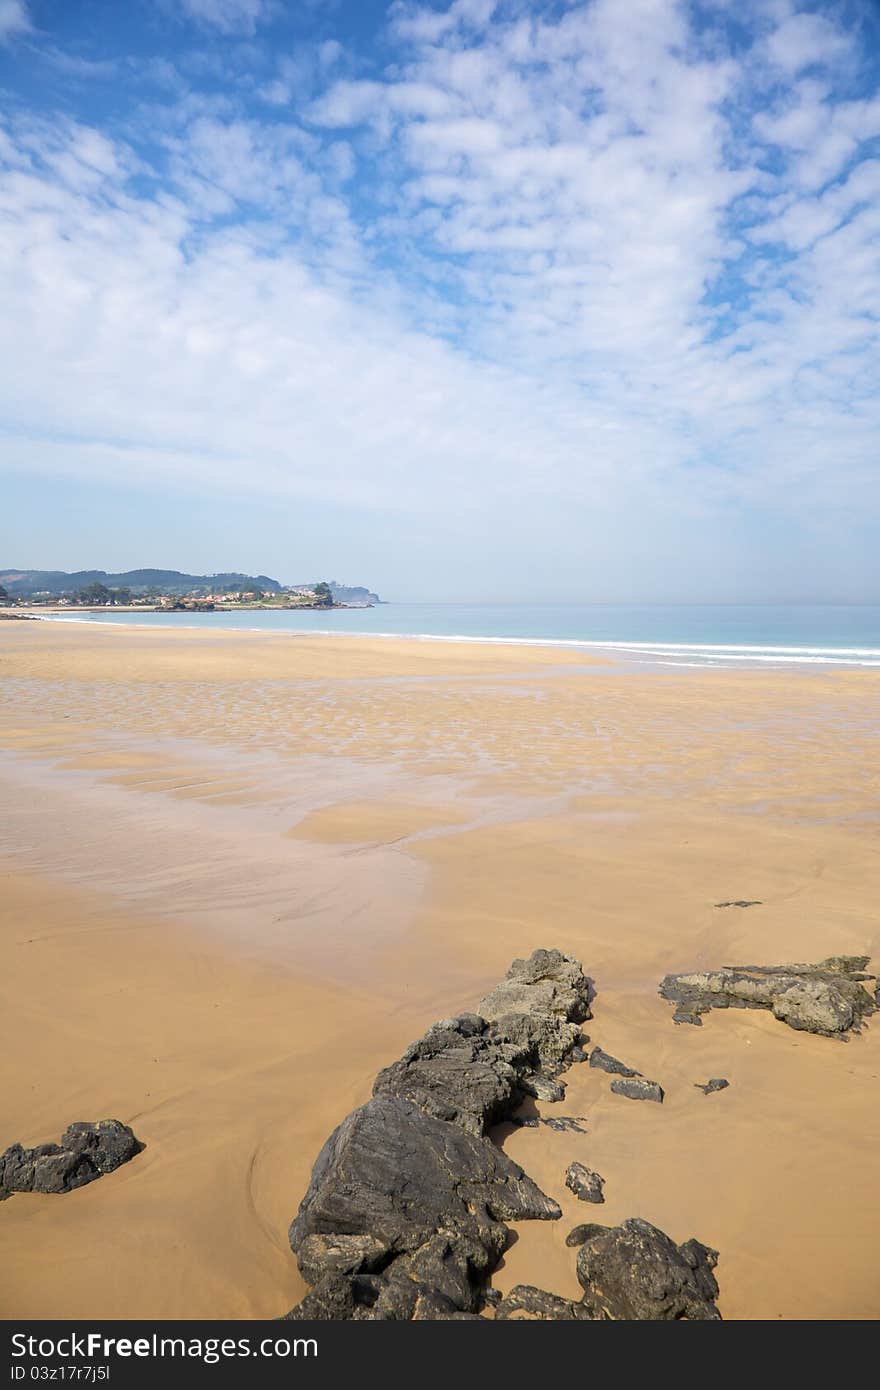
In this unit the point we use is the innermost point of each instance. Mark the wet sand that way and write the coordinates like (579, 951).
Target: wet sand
(240, 874)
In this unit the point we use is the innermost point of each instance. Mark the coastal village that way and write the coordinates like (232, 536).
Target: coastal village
(204, 594)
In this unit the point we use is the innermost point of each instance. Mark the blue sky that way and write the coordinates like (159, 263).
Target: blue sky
(491, 299)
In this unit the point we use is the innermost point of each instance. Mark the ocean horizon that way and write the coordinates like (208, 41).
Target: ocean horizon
(696, 635)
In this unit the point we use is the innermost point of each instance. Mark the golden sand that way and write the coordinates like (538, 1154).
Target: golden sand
(240, 873)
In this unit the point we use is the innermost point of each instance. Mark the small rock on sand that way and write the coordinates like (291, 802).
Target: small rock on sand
(87, 1151)
(637, 1089)
(585, 1183)
(606, 1062)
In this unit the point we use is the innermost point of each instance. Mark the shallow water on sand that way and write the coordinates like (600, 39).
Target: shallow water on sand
(671, 634)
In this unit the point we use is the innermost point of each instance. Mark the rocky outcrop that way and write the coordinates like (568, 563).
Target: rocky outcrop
(476, 1069)
(584, 1183)
(87, 1151)
(635, 1272)
(827, 998)
(715, 1083)
(539, 1007)
(404, 1207)
(404, 1217)
(526, 1302)
(636, 1089)
(459, 1071)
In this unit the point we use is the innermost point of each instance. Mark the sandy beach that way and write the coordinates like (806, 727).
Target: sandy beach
(240, 873)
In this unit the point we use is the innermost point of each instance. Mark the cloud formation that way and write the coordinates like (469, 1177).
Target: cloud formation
(616, 263)
(13, 18)
(229, 16)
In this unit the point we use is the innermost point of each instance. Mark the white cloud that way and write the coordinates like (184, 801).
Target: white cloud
(594, 261)
(229, 16)
(419, 24)
(804, 40)
(13, 18)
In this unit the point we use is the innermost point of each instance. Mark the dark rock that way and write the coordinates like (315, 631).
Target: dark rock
(579, 1053)
(715, 1083)
(542, 1087)
(606, 1062)
(629, 1272)
(402, 1203)
(827, 998)
(476, 1069)
(742, 902)
(635, 1272)
(525, 1302)
(579, 1234)
(689, 1013)
(404, 1216)
(547, 983)
(87, 1151)
(584, 1183)
(538, 1007)
(457, 1072)
(339, 1255)
(390, 1172)
(565, 1124)
(637, 1090)
(331, 1300)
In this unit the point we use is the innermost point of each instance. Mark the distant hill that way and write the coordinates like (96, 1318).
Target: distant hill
(352, 593)
(25, 583)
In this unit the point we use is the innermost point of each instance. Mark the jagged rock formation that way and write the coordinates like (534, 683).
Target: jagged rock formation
(605, 1062)
(635, 1272)
(636, 1089)
(563, 1124)
(715, 1083)
(404, 1215)
(407, 1211)
(87, 1151)
(827, 998)
(526, 1302)
(586, 1184)
(539, 1006)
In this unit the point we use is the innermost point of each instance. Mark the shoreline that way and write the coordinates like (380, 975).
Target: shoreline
(240, 876)
(745, 654)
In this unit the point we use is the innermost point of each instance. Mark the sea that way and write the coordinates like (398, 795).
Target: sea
(698, 635)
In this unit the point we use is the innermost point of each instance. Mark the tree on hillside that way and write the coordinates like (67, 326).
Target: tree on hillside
(94, 594)
(324, 594)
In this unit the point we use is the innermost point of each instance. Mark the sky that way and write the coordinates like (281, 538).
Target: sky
(491, 300)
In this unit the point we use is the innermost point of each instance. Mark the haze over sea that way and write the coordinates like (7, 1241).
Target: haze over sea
(675, 634)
